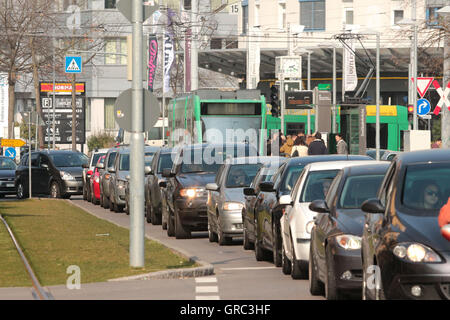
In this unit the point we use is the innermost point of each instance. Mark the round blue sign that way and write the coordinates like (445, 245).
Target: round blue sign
(10, 153)
(423, 107)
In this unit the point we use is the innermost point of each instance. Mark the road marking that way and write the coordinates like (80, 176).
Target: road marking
(209, 289)
(206, 279)
(207, 298)
(249, 268)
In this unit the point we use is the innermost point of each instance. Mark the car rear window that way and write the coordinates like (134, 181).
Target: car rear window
(358, 189)
(241, 175)
(426, 188)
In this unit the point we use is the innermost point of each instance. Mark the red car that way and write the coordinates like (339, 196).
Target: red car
(94, 181)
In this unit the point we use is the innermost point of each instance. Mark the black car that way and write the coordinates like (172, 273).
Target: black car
(268, 210)
(56, 172)
(7, 174)
(194, 167)
(404, 254)
(265, 173)
(153, 205)
(335, 250)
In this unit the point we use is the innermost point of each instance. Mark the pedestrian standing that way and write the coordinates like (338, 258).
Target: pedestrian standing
(300, 149)
(341, 145)
(287, 146)
(317, 146)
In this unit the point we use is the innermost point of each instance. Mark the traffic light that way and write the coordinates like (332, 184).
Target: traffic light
(410, 114)
(274, 101)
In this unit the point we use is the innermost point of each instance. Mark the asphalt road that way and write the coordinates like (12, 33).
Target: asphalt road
(237, 274)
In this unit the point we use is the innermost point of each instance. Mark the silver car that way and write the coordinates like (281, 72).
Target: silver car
(226, 197)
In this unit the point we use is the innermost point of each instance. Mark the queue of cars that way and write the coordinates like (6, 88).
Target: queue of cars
(348, 224)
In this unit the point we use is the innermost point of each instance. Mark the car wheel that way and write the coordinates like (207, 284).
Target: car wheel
(221, 238)
(163, 217)
(84, 193)
(170, 224)
(277, 258)
(181, 232)
(331, 290)
(315, 285)
(105, 202)
(260, 253)
(212, 237)
(101, 199)
(246, 242)
(297, 271)
(88, 193)
(156, 220)
(111, 203)
(285, 262)
(20, 191)
(54, 190)
(148, 216)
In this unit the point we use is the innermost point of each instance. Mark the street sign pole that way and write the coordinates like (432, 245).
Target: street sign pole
(29, 155)
(137, 232)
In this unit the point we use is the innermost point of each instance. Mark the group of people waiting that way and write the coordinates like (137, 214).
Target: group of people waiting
(301, 145)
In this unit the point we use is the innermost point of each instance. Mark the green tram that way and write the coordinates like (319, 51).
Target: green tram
(212, 115)
(393, 121)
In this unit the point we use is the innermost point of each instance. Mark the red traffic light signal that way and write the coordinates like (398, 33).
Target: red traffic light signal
(410, 109)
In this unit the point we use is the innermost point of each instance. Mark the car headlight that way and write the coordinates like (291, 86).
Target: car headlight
(66, 176)
(190, 192)
(232, 206)
(415, 252)
(121, 183)
(349, 242)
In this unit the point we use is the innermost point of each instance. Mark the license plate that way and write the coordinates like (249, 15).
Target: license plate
(10, 185)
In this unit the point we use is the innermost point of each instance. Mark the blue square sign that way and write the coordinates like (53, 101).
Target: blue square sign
(73, 64)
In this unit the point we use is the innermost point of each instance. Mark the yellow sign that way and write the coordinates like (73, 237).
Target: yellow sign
(12, 143)
(390, 111)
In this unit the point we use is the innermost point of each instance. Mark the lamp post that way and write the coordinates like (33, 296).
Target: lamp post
(445, 116)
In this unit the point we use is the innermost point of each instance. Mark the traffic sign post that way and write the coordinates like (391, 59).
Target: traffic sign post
(12, 143)
(73, 64)
(423, 107)
(423, 83)
(10, 153)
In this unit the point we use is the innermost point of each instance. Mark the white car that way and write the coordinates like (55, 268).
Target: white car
(297, 222)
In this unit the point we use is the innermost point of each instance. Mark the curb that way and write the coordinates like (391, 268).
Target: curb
(206, 269)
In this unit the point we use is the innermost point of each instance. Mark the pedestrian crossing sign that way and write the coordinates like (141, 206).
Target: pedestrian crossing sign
(73, 64)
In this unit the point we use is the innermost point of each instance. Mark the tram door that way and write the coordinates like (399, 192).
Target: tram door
(353, 127)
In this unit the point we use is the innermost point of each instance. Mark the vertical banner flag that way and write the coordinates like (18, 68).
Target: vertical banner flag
(169, 53)
(350, 77)
(152, 60)
(187, 61)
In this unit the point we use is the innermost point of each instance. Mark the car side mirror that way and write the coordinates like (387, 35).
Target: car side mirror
(212, 187)
(286, 200)
(85, 165)
(373, 206)
(249, 192)
(100, 166)
(266, 186)
(148, 170)
(167, 173)
(319, 206)
(163, 184)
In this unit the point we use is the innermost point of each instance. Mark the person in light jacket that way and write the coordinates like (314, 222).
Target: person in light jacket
(341, 145)
(300, 149)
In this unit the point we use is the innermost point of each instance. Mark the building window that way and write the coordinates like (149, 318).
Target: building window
(281, 15)
(216, 43)
(244, 17)
(256, 17)
(312, 14)
(432, 16)
(110, 4)
(231, 44)
(349, 16)
(110, 122)
(398, 16)
(116, 51)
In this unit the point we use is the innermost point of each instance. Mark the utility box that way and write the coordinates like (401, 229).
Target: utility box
(416, 140)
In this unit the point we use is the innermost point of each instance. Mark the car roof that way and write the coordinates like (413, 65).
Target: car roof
(151, 148)
(103, 150)
(373, 167)
(424, 156)
(254, 159)
(327, 157)
(330, 165)
(204, 145)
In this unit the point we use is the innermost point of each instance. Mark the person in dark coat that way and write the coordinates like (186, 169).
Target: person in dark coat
(317, 146)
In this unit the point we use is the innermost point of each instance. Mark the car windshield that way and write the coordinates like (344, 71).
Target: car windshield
(165, 162)
(358, 189)
(317, 184)
(95, 157)
(124, 162)
(426, 188)
(202, 160)
(291, 178)
(7, 164)
(241, 175)
(70, 159)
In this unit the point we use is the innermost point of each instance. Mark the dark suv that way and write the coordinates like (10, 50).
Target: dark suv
(57, 173)
(194, 167)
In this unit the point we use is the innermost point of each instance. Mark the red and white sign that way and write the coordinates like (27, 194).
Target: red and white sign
(423, 83)
(444, 97)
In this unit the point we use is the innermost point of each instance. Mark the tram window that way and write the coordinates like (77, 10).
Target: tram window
(371, 134)
(210, 109)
